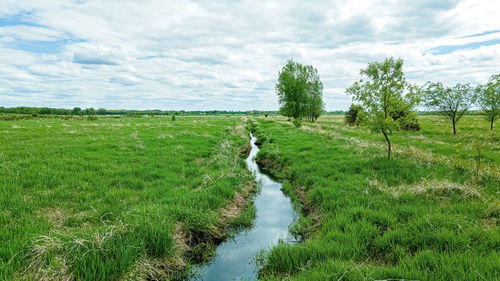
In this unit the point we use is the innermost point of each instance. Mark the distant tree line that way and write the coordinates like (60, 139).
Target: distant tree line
(77, 111)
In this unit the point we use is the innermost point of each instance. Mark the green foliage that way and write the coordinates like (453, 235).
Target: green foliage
(407, 119)
(452, 102)
(297, 123)
(383, 94)
(89, 111)
(300, 91)
(76, 111)
(489, 98)
(354, 115)
(173, 117)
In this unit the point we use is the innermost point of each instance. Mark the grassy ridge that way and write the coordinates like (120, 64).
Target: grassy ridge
(375, 219)
(110, 198)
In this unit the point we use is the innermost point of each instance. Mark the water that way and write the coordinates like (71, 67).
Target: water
(235, 258)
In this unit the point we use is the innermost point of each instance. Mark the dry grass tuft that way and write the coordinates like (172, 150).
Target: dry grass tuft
(236, 206)
(56, 216)
(163, 268)
(429, 187)
(491, 215)
(44, 246)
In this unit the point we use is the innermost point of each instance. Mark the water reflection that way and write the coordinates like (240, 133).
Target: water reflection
(235, 258)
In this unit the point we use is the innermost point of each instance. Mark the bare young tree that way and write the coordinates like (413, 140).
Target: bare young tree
(452, 102)
(488, 97)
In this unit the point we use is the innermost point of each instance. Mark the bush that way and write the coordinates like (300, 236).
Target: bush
(354, 115)
(91, 118)
(407, 120)
(297, 123)
(173, 117)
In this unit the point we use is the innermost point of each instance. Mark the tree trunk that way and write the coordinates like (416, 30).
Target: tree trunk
(491, 126)
(454, 131)
(388, 145)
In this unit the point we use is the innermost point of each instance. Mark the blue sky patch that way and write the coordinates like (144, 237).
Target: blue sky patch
(38, 47)
(17, 19)
(443, 50)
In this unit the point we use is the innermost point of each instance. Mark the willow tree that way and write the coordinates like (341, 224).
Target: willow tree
(452, 102)
(300, 91)
(382, 91)
(488, 97)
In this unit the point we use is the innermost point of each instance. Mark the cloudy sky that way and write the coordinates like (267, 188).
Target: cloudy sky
(227, 54)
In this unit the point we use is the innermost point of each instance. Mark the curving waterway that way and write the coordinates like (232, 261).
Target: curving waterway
(235, 258)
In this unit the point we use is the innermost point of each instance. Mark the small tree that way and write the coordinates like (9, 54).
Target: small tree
(384, 91)
(77, 111)
(452, 102)
(488, 97)
(89, 111)
(300, 91)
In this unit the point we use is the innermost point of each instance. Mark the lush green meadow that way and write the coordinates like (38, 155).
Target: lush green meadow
(117, 198)
(143, 198)
(426, 214)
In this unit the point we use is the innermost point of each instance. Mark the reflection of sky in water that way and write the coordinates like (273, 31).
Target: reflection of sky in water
(235, 257)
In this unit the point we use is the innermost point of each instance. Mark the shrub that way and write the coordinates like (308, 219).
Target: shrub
(173, 117)
(297, 123)
(354, 115)
(407, 120)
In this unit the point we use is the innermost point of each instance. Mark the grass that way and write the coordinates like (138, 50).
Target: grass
(423, 215)
(143, 198)
(116, 198)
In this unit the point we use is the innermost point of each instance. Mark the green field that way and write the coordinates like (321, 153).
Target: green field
(424, 215)
(116, 197)
(144, 198)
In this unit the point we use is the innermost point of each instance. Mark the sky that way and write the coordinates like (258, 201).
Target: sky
(226, 55)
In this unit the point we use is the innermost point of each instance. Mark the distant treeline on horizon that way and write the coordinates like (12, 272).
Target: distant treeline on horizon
(102, 111)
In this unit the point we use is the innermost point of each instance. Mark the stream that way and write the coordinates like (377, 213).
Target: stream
(235, 257)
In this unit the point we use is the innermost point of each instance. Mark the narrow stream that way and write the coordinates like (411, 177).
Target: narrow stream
(235, 258)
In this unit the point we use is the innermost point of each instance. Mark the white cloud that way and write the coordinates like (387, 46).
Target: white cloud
(226, 54)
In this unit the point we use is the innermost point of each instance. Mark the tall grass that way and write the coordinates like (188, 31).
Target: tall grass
(94, 199)
(380, 219)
